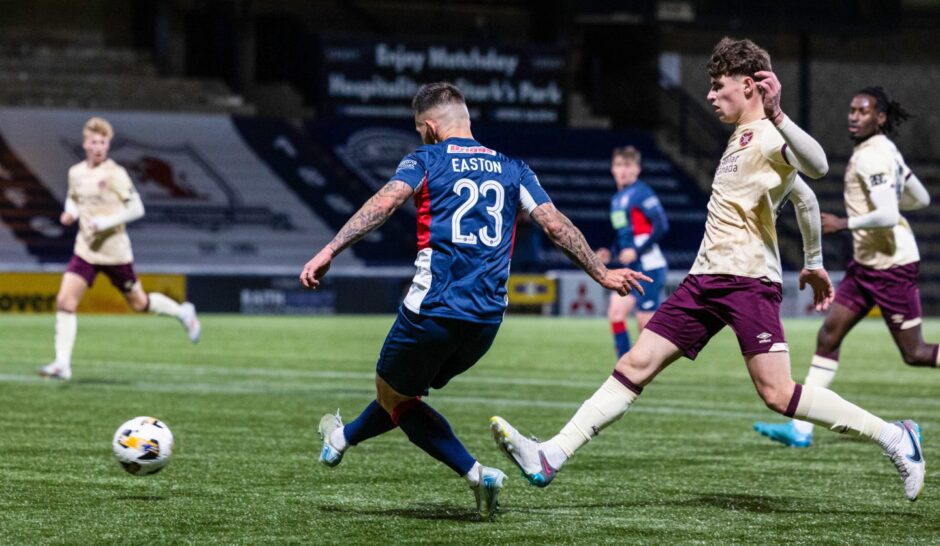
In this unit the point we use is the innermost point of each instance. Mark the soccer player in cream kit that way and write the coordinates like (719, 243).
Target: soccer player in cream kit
(735, 281)
(467, 197)
(102, 199)
(883, 271)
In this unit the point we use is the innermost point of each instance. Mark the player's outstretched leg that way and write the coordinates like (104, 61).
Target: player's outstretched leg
(430, 431)
(541, 461)
(900, 441)
(337, 438)
(797, 433)
(525, 453)
(185, 312)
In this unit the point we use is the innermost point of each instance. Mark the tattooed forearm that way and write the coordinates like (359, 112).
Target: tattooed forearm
(373, 214)
(569, 239)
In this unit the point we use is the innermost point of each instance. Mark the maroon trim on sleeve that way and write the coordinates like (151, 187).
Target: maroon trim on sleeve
(783, 152)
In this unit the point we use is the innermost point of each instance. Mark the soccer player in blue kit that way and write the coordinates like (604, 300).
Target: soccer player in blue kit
(467, 197)
(640, 222)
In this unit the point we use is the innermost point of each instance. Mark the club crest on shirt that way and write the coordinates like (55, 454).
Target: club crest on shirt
(746, 138)
(102, 184)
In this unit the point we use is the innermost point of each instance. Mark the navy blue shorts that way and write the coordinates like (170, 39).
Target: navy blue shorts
(651, 300)
(422, 352)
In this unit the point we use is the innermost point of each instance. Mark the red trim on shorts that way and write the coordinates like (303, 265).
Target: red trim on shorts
(794, 400)
(423, 203)
(404, 408)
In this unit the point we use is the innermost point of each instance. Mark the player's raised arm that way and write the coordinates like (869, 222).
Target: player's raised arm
(801, 150)
(571, 241)
(808, 218)
(375, 212)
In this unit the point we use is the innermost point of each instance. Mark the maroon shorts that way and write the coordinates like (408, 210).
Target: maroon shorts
(122, 276)
(703, 304)
(894, 290)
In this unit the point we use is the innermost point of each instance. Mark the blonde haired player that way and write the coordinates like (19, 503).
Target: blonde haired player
(102, 198)
(734, 282)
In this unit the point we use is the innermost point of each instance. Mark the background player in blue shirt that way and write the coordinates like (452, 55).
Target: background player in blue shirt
(639, 222)
(467, 197)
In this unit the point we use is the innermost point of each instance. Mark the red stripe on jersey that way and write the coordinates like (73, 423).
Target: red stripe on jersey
(423, 204)
(512, 243)
(641, 224)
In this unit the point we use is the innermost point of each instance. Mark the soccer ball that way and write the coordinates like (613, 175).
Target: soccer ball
(143, 445)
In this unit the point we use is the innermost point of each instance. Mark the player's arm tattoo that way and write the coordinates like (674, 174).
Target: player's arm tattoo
(569, 239)
(373, 214)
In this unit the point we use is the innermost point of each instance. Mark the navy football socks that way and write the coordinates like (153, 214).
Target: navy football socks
(373, 421)
(621, 337)
(430, 431)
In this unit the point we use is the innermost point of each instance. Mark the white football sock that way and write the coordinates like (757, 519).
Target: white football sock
(821, 373)
(66, 326)
(338, 439)
(473, 477)
(826, 408)
(607, 405)
(162, 305)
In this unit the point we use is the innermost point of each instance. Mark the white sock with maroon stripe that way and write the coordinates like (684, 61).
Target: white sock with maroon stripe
(66, 326)
(607, 405)
(822, 371)
(826, 408)
(162, 305)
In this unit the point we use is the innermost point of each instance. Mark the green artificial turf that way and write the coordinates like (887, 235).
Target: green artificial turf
(683, 466)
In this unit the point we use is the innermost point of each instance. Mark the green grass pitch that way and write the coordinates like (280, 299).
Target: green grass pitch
(683, 466)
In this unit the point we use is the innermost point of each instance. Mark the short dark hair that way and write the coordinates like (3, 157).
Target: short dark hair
(894, 114)
(434, 94)
(733, 57)
(628, 153)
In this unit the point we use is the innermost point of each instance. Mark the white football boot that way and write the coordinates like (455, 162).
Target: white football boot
(487, 492)
(525, 453)
(329, 455)
(56, 371)
(908, 458)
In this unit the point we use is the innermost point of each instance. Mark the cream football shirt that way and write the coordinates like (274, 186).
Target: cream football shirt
(877, 165)
(101, 191)
(752, 181)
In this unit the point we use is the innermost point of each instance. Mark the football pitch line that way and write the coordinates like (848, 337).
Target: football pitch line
(207, 388)
(362, 388)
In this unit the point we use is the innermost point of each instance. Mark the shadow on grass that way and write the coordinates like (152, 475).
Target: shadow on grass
(145, 498)
(776, 505)
(99, 381)
(425, 512)
(757, 504)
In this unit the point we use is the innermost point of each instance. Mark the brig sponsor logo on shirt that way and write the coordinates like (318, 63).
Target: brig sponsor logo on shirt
(406, 164)
(455, 149)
